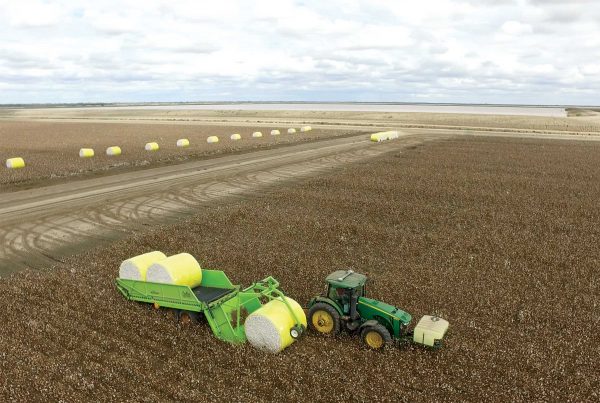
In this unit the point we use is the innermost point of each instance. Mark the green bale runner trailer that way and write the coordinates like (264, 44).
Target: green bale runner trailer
(224, 305)
(345, 306)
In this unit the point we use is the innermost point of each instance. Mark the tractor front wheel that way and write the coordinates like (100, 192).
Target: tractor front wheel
(324, 319)
(376, 336)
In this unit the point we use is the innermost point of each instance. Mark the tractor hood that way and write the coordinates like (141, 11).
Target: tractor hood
(386, 309)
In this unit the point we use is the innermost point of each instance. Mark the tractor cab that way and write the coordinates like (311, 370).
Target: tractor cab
(344, 286)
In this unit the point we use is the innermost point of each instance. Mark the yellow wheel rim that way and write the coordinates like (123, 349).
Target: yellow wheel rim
(322, 321)
(374, 339)
(156, 306)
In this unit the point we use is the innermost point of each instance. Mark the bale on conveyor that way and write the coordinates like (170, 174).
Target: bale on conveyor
(305, 128)
(114, 150)
(212, 139)
(86, 153)
(235, 136)
(183, 143)
(291, 130)
(181, 269)
(136, 267)
(151, 147)
(257, 134)
(15, 163)
(275, 132)
(268, 328)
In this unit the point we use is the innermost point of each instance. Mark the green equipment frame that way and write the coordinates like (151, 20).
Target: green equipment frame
(224, 305)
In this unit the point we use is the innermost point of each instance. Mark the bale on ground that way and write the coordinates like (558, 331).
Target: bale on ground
(381, 136)
(275, 132)
(305, 128)
(113, 150)
(291, 130)
(256, 134)
(180, 269)
(268, 328)
(136, 267)
(183, 143)
(15, 163)
(151, 147)
(235, 136)
(86, 153)
(212, 139)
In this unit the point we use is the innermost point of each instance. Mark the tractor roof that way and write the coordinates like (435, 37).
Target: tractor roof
(346, 279)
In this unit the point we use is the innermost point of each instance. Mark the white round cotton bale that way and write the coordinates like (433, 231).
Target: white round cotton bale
(268, 328)
(86, 153)
(256, 134)
(291, 130)
(235, 136)
(212, 139)
(275, 133)
(15, 163)
(151, 147)
(305, 128)
(180, 269)
(114, 150)
(183, 143)
(136, 267)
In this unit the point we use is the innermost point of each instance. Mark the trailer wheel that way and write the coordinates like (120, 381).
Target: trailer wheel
(324, 319)
(376, 336)
(187, 317)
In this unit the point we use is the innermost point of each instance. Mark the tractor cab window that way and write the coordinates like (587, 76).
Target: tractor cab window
(335, 293)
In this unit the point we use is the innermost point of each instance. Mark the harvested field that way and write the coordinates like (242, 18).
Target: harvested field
(499, 236)
(517, 123)
(51, 149)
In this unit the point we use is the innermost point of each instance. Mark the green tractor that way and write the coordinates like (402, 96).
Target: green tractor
(345, 306)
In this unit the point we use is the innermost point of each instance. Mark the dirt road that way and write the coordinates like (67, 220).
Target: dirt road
(41, 225)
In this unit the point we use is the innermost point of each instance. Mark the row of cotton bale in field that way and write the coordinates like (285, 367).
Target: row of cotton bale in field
(18, 162)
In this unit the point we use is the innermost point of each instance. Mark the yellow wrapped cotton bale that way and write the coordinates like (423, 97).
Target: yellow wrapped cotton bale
(305, 128)
(86, 153)
(212, 139)
(151, 147)
(268, 328)
(235, 136)
(382, 136)
(183, 143)
(181, 269)
(257, 134)
(114, 150)
(275, 133)
(291, 130)
(137, 267)
(15, 163)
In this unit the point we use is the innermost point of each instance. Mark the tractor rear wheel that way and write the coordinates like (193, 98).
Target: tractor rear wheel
(376, 336)
(324, 319)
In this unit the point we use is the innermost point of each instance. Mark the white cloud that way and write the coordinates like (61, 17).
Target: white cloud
(384, 50)
(30, 13)
(516, 28)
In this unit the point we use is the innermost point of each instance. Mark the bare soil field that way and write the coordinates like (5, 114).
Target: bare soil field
(572, 124)
(499, 236)
(51, 149)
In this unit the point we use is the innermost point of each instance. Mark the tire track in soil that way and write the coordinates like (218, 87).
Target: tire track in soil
(54, 228)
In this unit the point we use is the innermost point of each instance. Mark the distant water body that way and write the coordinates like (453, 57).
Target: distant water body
(553, 111)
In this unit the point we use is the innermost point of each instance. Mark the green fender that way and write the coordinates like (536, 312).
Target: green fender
(325, 300)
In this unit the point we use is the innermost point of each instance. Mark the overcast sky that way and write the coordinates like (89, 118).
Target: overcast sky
(479, 51)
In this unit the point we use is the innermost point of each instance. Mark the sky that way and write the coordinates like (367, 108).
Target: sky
(462, 51)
